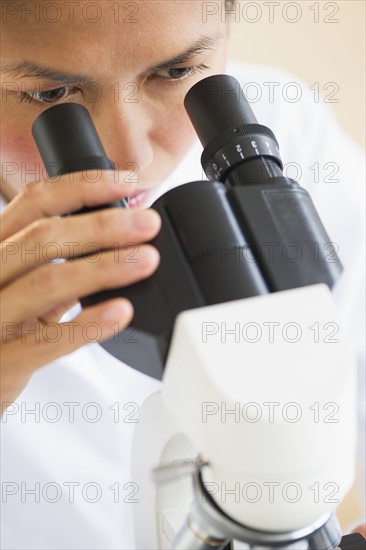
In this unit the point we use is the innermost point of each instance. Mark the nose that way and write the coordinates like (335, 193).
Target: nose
(125, 131)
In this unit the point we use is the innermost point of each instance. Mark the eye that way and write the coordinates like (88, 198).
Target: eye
(180, 73)
(50, 96)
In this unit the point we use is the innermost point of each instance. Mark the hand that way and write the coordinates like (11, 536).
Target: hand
(35, 292)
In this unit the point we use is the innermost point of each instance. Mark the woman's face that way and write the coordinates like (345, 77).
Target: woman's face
(129, 62)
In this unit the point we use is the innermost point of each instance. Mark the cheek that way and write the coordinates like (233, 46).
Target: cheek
(20, 160)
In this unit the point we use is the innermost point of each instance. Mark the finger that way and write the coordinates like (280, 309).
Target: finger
(360, 529)
(57, 196)
(53, 284)
(11, 331)
(21, 357)
(55, 314)
(55, 238)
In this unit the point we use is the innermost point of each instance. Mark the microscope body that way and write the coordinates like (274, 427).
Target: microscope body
(266, 411)
(238, 321)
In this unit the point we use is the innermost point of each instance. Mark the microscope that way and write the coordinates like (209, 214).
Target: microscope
(251, 441)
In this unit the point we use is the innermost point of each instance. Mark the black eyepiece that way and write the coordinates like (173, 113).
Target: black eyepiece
(237, 150)
(68, 141)
(215, 104)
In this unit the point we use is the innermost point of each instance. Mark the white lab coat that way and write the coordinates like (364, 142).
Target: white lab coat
(78, 468)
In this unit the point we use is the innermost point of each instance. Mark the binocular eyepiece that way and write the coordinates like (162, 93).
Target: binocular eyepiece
(219, 111)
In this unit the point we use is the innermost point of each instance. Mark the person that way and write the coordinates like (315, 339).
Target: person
(69, 409)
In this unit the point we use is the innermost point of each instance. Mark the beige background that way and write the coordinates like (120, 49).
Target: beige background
(322, 51)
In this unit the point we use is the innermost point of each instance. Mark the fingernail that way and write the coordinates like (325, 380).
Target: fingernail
(118, 309)
(148, 257)
(145, 219)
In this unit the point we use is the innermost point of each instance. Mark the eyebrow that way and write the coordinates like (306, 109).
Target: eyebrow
(28, 69)
(205, 43)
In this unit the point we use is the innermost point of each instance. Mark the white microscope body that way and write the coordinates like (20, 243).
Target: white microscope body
(263, 390)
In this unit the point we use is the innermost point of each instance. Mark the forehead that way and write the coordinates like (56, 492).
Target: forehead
(114, 33)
